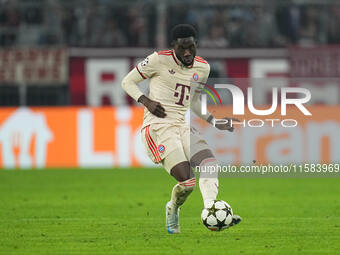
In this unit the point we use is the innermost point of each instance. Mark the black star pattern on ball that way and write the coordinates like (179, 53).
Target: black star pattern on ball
(220, 224)
(212, 211)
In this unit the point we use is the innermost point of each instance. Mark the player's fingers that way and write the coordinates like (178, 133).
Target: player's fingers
(161, 110)
(162, 115)
(159, 113)
(156, 112)
(160, 107)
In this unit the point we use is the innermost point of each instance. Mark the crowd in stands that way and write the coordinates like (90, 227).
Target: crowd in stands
(104, 23)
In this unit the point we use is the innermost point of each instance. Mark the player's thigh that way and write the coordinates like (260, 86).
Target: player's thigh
(192, 141)
(150, 144)
(160, 140)
(185, 139)
(177, 165)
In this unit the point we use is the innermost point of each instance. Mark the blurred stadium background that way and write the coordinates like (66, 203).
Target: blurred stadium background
(62, 62)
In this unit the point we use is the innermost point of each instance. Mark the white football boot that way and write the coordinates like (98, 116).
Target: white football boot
(236, 220)
(172, 219)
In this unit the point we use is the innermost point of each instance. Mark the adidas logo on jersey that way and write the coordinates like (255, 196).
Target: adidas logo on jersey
(171, 71)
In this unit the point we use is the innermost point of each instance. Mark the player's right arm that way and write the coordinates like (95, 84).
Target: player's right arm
(145, 69)
(195, 105)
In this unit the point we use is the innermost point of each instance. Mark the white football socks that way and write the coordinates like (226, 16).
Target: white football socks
(208, 182)
(181, 191)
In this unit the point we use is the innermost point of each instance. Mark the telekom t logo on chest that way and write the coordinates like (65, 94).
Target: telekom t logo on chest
(239, 102)
(181, 93)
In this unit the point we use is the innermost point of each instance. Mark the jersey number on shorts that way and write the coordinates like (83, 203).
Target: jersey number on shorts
(182, 92)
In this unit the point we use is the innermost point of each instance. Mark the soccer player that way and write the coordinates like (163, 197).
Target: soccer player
(165, 133)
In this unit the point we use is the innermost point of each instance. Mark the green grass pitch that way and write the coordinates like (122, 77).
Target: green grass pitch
(121, 211)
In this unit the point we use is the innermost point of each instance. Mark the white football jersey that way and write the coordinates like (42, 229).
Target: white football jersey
(170, 84)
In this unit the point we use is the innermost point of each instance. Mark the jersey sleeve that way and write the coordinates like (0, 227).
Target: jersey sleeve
(149, 66)
(195, 103)
(206, 74)
(130, 84)
(203, 79)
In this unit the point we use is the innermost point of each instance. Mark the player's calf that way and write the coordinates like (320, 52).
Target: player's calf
(209, 189)
(180, 193)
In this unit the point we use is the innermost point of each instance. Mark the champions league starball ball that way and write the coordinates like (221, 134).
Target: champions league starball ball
(217, 215)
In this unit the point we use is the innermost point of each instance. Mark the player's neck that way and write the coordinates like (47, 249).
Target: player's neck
(179, 60)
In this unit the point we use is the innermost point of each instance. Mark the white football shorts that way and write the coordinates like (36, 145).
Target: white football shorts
(169, 144)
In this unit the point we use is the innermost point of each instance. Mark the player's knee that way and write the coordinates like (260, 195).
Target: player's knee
(188, 185)
(199, 157)
(182, 171)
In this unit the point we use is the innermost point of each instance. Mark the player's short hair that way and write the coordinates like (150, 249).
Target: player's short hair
(182, 31)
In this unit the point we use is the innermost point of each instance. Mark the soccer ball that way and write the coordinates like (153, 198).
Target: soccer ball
(217, 215)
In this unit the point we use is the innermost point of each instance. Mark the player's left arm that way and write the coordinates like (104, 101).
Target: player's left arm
(195, 106)
(145, 69)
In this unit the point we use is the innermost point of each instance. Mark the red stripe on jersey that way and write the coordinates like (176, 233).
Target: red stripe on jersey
(201, 61)
(140, 73)
(153, 143)
(199, 57)
(164, 52)
(152, 149)
(173, 56)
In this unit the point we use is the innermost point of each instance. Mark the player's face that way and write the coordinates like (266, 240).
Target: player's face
(185, 49)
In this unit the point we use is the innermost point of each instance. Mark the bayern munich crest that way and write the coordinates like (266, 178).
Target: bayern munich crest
(161, 148)
(195, 77)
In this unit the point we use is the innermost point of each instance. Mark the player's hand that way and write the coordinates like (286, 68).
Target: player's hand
(227, 126)
(156, 109)
(153, 106)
